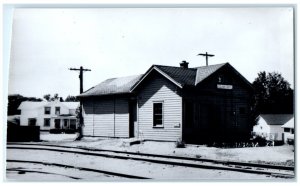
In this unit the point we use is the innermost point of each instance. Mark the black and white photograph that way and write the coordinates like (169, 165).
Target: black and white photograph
(150, 93)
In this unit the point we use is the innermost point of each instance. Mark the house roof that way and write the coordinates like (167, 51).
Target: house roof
(289, 124)
(13, 119)
(34, 105)
(276, 119)
(206, 71)
(184, 76)
(112, 86)
(178, 75)
(71, 105)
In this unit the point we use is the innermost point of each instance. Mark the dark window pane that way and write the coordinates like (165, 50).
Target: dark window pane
(31, 122)
(47, 110)
(57, 123)
(157, 114)
(57, 110)
(47, 122)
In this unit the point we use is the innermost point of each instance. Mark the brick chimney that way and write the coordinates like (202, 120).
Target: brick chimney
(184, 64)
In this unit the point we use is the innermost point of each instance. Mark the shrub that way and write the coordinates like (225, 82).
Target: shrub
(180, 143)
(55, 131)
(290, 141)
(70, 131)
(260, 140)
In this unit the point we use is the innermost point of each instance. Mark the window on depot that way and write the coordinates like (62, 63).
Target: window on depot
(158, 114)
(286, 129)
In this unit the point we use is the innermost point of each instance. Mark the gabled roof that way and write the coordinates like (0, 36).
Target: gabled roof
(119, 85)
(276, 119)
(178, 75)
(32, 105)
(15, 119)
(206, 71)
(29, 105)
(71, 105)
(290, 124)
(185, 76)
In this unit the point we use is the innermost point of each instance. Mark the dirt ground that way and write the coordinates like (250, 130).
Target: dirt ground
(278, 155)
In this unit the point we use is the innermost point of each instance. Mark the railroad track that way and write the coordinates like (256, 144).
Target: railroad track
(70, 167)
(271, 170)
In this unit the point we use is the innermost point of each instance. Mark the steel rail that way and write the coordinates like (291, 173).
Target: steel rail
(266, 166)
(40, 172)
(79, 168)
(238, 169)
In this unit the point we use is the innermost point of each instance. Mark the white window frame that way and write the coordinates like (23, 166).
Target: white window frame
(162, 125)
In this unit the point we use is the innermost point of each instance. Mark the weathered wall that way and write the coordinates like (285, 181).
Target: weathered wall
(158, 88)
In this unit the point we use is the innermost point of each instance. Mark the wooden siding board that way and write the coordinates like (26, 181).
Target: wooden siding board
(122, 117)
(159, 89)
(223, 103)
(106, 117)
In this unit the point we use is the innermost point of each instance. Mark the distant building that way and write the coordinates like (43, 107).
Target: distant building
(197, 105)
(48, 115)
(289, 130)
(270, 126)
(13, 120)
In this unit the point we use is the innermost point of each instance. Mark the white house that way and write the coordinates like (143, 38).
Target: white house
(289, 130)
(270, 126)
(48, 115)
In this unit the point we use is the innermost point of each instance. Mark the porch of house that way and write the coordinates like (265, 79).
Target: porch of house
(64, 122)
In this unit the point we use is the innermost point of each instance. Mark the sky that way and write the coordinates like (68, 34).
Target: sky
(116, 42)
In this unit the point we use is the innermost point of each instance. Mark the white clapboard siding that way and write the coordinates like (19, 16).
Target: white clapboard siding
(106, 117)
(121, 118)
(98, 117)
(159, 89)
(88, 127)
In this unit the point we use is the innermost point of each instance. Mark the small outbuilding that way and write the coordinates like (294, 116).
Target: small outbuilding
(289, 131)
(270, 127)
(167, 103)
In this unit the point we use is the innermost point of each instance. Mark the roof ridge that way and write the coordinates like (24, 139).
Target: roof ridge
(112, 86)
(191, 67)
(124, 76)
(219, 64)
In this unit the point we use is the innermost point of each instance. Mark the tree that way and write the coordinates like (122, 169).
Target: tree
(47, 97)
(14, 102)
(273, 94)
(55, 97)
(71, 99)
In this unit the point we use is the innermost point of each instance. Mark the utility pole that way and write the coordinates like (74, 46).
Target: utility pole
(206, 55)
(81, 70)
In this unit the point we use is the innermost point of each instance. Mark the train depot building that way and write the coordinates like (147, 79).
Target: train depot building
(198, 105)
